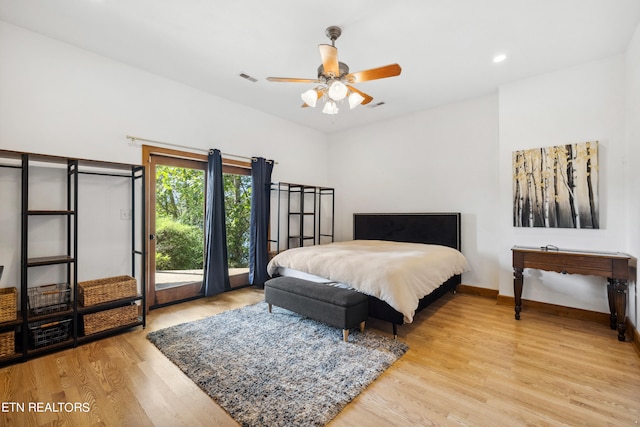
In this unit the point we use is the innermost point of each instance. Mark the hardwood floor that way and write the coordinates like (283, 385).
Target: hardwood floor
(469, 363)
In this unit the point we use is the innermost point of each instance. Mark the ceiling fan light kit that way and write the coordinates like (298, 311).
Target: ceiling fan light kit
(310, 97)
(335, 80)
(337, 90)
(355, 99)
(330, 107)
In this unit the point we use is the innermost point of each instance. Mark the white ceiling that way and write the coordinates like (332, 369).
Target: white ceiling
(445, 47)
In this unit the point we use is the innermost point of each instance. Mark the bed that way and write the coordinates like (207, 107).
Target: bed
(378, 235)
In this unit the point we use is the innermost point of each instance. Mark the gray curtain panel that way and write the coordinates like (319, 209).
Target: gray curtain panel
(260, 202)
(216, 269)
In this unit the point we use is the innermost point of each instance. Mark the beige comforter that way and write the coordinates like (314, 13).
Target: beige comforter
(397, 273)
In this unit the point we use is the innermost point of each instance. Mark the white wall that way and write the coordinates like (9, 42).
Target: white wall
(60, 100)
(57, 99)
(458, 158)
(632, 115)
(440, 160)
(579, 104)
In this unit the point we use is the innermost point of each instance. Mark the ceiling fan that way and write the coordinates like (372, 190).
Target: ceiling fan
(335, 81)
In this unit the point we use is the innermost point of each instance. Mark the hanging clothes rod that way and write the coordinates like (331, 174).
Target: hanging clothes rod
(136, 138)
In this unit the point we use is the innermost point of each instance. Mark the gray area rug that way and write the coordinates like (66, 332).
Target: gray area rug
(278, 369)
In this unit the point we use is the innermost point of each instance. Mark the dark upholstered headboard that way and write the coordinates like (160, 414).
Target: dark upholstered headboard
(432, 228)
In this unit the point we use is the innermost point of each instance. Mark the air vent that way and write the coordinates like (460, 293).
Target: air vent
(376, 105)
(248, 77)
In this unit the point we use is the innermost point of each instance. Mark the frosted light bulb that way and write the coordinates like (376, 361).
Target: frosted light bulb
(310, 97)
(337, 90)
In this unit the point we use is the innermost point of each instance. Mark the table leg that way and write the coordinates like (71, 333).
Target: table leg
(517, 290)
(611, 292)
(620, 287)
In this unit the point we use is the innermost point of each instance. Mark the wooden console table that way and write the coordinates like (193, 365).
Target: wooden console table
(615, 266)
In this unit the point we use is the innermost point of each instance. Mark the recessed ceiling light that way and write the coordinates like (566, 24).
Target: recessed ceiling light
(499, 58)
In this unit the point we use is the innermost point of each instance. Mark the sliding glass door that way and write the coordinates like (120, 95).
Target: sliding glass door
(176, 188)
(176, 245)
(237, 202)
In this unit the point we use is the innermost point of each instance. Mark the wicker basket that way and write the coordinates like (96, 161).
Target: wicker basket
(7, 343)
(103, 320)
(8, 304)
(97, 291)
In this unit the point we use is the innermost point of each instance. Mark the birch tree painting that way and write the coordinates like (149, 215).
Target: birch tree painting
(556, 187)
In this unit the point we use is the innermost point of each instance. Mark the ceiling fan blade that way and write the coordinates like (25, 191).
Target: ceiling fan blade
(374, 73)
(329, 55)
(367, 98)
(292, 80)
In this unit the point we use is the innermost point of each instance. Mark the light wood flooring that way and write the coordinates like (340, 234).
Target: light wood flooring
(469, 363)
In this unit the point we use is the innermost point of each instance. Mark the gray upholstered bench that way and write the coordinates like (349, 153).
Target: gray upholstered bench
(339, 307)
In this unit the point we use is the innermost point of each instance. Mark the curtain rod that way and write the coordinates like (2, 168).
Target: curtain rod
(135, 138)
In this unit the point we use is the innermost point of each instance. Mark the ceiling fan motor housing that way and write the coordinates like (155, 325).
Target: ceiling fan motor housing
(344, 70)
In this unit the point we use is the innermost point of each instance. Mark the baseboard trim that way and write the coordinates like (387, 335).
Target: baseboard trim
(474, 290)
(557, 310)
(575, 313)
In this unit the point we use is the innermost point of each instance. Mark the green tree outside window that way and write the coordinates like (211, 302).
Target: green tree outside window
(180, 218)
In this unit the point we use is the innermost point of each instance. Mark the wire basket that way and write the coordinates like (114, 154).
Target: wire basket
(49, 298)
(45, 333)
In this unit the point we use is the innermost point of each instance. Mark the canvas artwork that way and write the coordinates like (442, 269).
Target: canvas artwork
(556, 187)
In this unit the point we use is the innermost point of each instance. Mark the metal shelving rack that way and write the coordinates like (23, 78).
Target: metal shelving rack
(328, 195)
(26, 348)
(306, 223)
(301, 222)
(12, 161)
(67, 260)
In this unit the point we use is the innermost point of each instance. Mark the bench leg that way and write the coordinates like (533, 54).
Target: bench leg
(345, 332)
(269, 307)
